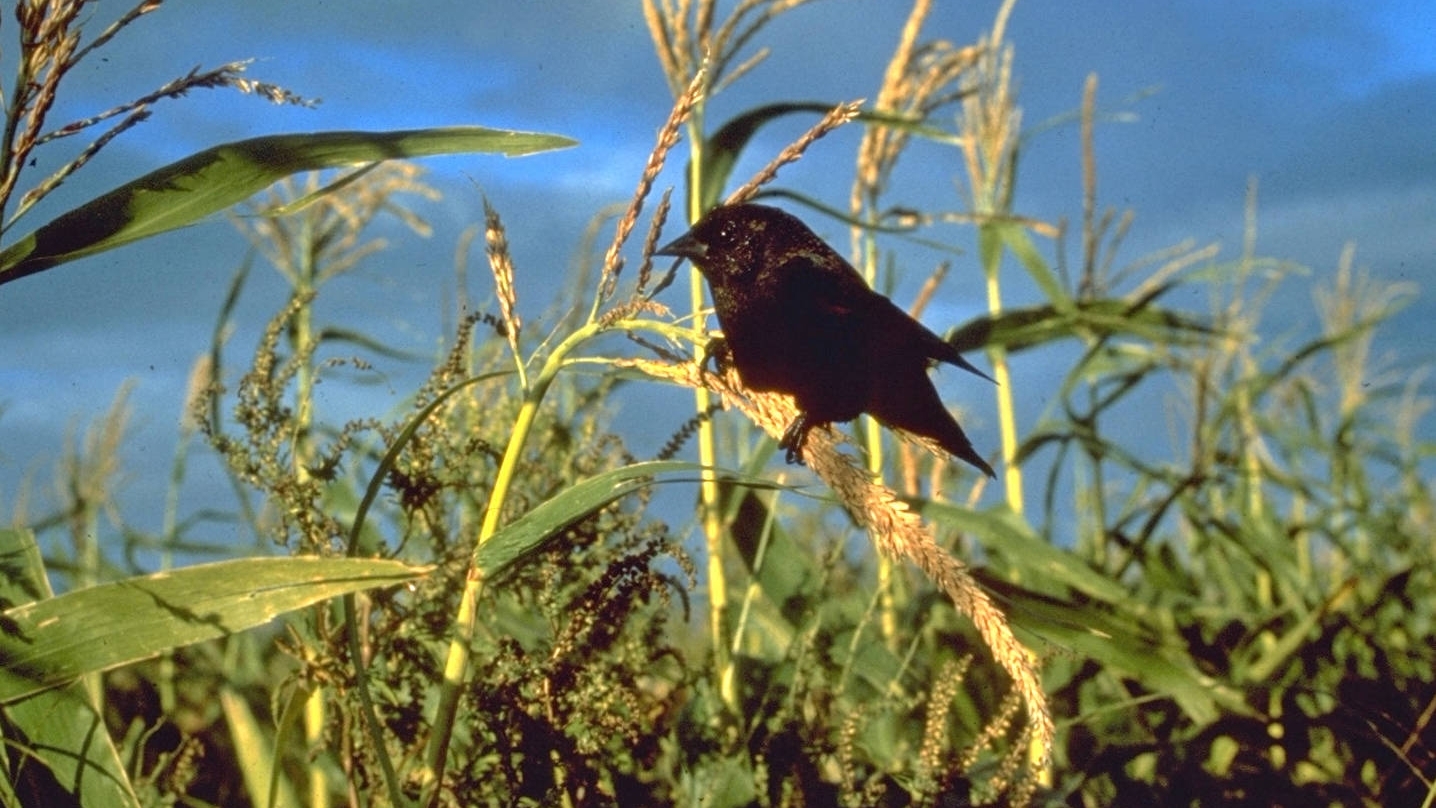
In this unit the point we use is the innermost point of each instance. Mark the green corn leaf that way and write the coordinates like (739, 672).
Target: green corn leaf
(209, 181)
(530, 532)
(722, 150)
(1020, 329)
(1006, 533)
(55, 640)
(58, 733)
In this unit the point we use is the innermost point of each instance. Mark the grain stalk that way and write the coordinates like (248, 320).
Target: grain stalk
(698, 53)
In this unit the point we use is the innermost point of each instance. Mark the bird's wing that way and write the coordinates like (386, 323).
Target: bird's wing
(898, 326)
(820, 335)
(827, 282)
(857, 323)
(943, 351)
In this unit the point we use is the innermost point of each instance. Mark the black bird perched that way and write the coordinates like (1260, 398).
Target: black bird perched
(798, 319)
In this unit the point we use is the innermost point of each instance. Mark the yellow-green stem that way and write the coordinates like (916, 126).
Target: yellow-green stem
(711, 518)
(1006, 408)
(306, 275)
(314, 719)
(1095, 502)
(872, 436)
(168, 670)
(457, 662)
(710, 514)
(991, 248)
(887, 600)
(713, 547)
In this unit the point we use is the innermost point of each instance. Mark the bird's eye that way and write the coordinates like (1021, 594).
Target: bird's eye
(728, 235)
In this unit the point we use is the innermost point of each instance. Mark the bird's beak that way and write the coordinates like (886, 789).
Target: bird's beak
(685, 246)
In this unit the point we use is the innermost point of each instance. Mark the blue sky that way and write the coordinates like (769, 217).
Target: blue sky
(1330, 106)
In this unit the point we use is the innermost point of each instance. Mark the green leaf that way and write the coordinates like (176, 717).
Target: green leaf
(1005, 534)
(1024, 328)
(992, 236)
(207, 182)
(786, 575)
(1120, 642)
(785, 588)
(530, 532)
(254, 748)
(22, 572)
(1102, 622)
(67, 749)
(722, 150)
(59, 733)
(55, 640)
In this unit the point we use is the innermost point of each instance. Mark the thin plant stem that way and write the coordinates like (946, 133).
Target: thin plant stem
(708, 494)
(456, 662)
(1002, 374)
(306, 281)
(1092, 504)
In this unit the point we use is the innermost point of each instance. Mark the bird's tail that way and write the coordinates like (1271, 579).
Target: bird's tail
(956, 442)
(944, 351)
(957, 359)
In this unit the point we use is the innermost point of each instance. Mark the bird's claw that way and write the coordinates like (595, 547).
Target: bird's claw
(795, 437)
(718, 353)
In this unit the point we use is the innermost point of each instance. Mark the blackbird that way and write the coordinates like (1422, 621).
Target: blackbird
(798, 319)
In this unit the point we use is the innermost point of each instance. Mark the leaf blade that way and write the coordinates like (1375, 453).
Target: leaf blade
(53, 641)
(209, 181)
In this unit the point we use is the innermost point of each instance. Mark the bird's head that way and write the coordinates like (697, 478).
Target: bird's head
(732, 241)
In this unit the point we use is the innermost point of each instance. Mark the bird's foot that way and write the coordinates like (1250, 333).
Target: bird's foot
(718, 352)
(795, 437)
